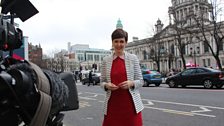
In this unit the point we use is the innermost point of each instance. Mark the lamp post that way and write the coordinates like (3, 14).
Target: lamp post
(194, 52)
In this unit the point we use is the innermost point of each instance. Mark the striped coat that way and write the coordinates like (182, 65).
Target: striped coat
(133, 73)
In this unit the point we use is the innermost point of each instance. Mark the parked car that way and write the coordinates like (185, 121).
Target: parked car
(151, 77)
(197, 76)
(95, 76)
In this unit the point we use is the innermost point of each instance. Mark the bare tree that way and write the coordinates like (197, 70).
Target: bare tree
(213, 28)
(155, 55)
(157, 45)
(183, 33)
(50, 61)
(60, 61)
(179, 31)
(157, 51)
(56, 60)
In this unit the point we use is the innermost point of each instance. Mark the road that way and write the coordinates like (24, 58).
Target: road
(164, 106)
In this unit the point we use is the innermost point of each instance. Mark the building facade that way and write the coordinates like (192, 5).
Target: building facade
(35, 54)
(163, 50)
(86, 56)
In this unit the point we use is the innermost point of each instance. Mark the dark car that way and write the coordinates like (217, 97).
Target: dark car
(197, 76)
(151, 77)
(95, 76)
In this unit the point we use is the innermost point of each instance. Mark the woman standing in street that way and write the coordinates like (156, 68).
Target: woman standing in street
(121, 78)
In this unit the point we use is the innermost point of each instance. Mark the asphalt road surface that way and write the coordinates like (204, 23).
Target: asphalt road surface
(164, 106)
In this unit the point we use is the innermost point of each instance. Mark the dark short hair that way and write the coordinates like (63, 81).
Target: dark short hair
(119, 33)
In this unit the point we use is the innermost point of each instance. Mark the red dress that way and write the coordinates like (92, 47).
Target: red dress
(121, 110)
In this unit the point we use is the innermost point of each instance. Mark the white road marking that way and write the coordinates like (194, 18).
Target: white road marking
(203, 110)
(94, 95)
(180, 112)
(151, 102)
(148, 102)
(194, 105)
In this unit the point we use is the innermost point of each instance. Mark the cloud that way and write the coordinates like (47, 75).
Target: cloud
(90, 21)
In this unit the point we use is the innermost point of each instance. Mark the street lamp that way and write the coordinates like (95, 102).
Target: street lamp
(194, 52)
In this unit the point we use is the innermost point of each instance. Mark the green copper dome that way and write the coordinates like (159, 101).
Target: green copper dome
(119, 24)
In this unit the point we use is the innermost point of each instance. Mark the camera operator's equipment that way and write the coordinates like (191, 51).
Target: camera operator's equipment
(33, 96)
(72, 103)
(24, 9)
(63, 92)
(11, 37)
(28, 94)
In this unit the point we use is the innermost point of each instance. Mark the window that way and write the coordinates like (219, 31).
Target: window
(204, 64)
(200, 71)
(209, 62)
(162, 50)
(152, 53)
(189, 72)
(172, 49)
(221, 46)
(180, 64)
(144, 55)
(90, 57)
(96, 57)
(206, 48)
(80, 57)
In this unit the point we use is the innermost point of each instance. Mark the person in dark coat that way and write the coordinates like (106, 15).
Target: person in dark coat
(90, 77)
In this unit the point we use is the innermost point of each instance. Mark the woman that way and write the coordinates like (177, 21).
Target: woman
(120, 78)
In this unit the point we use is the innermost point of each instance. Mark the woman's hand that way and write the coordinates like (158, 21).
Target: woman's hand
(111, 86)
(126, 84)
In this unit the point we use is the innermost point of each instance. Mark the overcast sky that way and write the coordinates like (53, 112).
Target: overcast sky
(91, 21)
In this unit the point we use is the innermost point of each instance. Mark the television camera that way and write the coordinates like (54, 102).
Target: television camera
(29, 96)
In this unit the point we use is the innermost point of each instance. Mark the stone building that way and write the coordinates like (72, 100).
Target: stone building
(35, 54)
(162, 51)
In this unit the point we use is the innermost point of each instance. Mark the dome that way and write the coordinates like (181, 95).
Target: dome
(119, 24)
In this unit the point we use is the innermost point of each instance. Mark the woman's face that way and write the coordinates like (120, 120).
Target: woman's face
(119, 45)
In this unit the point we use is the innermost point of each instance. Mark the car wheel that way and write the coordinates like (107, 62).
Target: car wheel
(157, 84)
(145, 83)
(208, 84)
(218, 86)
(172, 84)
